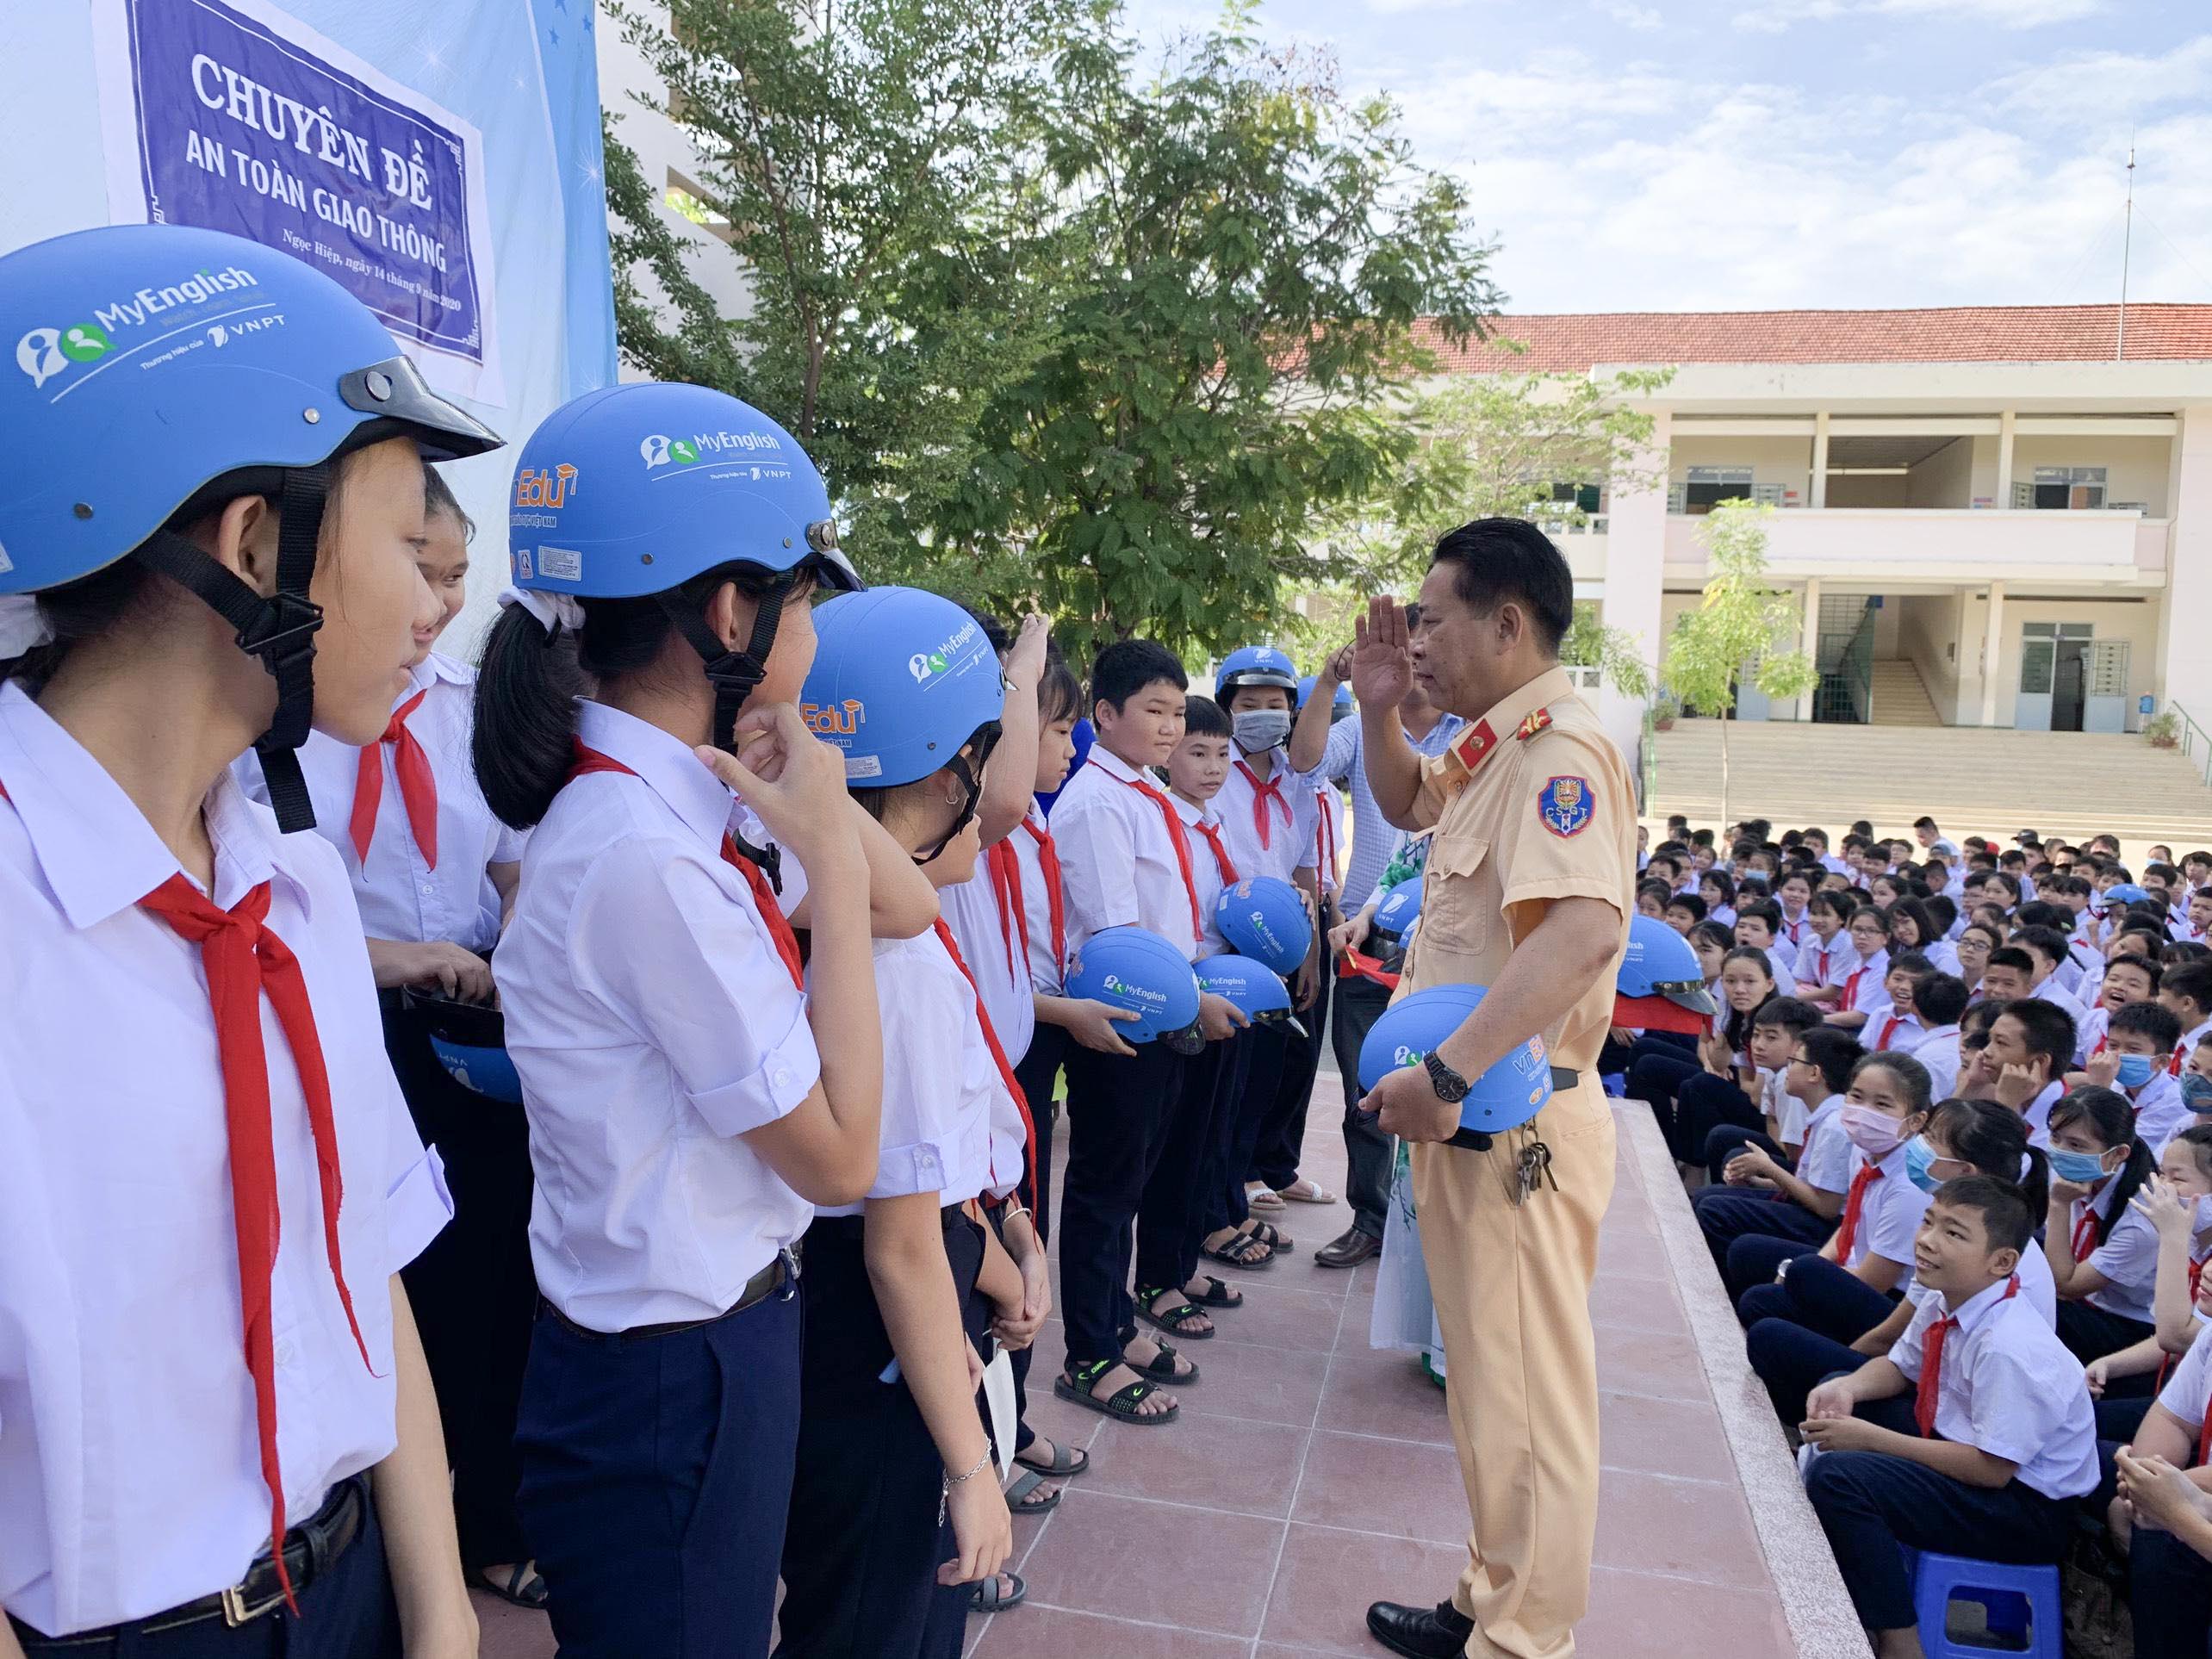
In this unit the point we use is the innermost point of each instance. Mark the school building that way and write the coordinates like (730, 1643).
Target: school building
(1991, 516)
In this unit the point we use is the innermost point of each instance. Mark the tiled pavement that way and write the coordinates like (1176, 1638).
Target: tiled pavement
(1313, 1474)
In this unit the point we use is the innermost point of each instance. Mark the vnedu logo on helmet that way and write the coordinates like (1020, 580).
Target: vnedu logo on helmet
(841, 720)
(1122, 987)
(42, 353)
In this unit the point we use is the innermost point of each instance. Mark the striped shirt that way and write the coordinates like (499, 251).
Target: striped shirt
(1372, 837)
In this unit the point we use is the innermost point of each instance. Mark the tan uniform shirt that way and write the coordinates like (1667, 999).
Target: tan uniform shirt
(1532, 803)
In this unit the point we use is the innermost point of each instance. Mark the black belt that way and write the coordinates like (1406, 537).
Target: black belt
(783, 1270)
(1476, 1140)
(311, 1548)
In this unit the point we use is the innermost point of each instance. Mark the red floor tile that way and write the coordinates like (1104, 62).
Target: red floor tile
(1259, 1385)
(1690, 1529)
(1374, 1391)
(1663, 1436)
(1646, 1362)
(1389, 1486)
(1220, 1462)
(1328, 1578)
(1619, 1303)
(1102, 1554)
(1280, 1315)
(1034, 1633)
(1642, 1614)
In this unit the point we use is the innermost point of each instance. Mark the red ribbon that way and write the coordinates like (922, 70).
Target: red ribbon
(1013, 915)
(1928, 1393)
(1261, 794)
(1005, 1071)
(1182, 843)
(1221, 860)
(1848, 1233)
(418, 786)
(1048, 862)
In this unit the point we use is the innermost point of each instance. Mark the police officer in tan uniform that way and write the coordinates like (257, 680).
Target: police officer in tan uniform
(1528, 893)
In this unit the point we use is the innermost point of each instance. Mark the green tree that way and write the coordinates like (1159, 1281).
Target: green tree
(874, 170)
(1589, 642)
(1737, 630)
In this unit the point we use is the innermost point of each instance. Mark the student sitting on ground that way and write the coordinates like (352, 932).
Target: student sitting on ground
(2128, 979)
(2138, 1053)
(2030, 1046)
(1723, 1089)
(1758, 925)
(1939, 1002)
(1997, 1442)
(2169, 1201)
(1962, 1137)
(2162, 1514)
(2104, 1253)
(1825, 956)
(2188, 992)
(1802, 1192)
(1775, 1033)
(1885, 1021)
(1867, 964)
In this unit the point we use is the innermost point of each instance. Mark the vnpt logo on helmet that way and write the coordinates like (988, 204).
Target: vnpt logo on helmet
(546, 488)
(824, 721)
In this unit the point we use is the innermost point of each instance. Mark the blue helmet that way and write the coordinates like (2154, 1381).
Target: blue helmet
(1341, 707)
(1660, 985)
(1264, 917)
(2126, 892)
(1130, 968)
(1399, 910)
(1504, 1097)
(166, 370)
(632, 491)
(1256, 990)
(1254, 664)
(470, 1040)
(901, 679)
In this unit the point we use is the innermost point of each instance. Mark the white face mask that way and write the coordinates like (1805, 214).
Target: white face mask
(1260, 729)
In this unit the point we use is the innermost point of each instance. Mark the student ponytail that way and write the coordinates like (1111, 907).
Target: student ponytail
(2112, 1119)
(528, 679)
(1994, 1140)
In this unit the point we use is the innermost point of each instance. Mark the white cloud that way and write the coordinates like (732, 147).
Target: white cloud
(1634, 16)
(2105, 89)
(1773, 16)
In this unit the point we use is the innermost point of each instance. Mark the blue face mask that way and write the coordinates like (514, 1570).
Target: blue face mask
(2082, 1169)
(1919, 1158)
(2135, 1070)
(2196, 1092)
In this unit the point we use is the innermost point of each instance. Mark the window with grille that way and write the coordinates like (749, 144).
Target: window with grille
(1707, 485)
(2064, 489)
(2108, 668)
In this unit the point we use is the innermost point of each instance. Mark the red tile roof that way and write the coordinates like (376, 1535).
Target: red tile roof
(2023, 333)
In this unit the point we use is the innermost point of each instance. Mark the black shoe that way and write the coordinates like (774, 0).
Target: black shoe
(1348, 1249)
(1437, 1632)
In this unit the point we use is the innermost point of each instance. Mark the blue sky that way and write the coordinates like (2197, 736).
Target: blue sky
(1715, 154)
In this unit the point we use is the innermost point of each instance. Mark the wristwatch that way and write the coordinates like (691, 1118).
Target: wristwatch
(1450, 1088)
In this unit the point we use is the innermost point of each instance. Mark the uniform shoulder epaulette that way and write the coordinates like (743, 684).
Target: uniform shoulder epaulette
(1535, 723)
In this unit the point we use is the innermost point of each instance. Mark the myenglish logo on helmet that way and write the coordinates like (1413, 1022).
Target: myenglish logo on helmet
(42, 353)
(659, 450)
(922, 665)
(1122, 987)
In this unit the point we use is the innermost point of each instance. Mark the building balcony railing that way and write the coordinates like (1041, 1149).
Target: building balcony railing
(1942, 545)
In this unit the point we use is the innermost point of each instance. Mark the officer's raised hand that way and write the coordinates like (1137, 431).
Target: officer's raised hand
(1382, 655)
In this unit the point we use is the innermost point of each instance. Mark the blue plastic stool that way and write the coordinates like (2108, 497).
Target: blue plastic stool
(2021, 1605)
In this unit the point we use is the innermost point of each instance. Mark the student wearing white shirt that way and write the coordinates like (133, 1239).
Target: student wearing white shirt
(1794, 893)
(1816, 1185)
(2103, 1253)
(1884, 1018)
(2160, 1512)
(208, 1181)
(2177, 1203)
(654, 1012)
(2047, 949)
(2126, 978)
(2001, 1440)
(2139, 1045)
(2030, 1046)
(433, 871)
(1127, 861)
(904, 1287)
(1961, 1138)
(2187, 989)
(1824, 955)
(1758, 924)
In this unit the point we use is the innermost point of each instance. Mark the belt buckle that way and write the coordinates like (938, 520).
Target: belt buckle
(790, 1259)
(238, 1610)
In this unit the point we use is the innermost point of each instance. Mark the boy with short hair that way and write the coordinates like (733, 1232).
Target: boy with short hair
(1685, 912)
(1890, 1021)
(1939, 1002)
(2030, 1046)
(2001, 1438)
(2047, 949)
(2137, 1060)
(1804, 1198)
(1758, 922)
(2187, 991)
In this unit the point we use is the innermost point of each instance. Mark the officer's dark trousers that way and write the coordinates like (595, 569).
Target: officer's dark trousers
(1283, 1130)
(860, 1558)
(1118, 1111)
(473, 1292)
(2170, 1593)
(1869, 1503)
(1171, 1221)
(656, 1475)
(1368, 1148)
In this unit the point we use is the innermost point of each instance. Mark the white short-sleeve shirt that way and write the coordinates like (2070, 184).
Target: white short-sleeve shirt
(653, 1025)
(939, 1082)
(1117, 860)
(401, 895)
(2161, 1112)
(1889, 1217)
(2189, 1390)
(1292, 817)
(1827, 1158)
(1828, 964)
(1938, 1051)
(130, 1477)
(2129, 1258)
(2008, 1386)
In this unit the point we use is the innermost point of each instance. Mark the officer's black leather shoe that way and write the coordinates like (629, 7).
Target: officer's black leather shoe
(1437, 1632)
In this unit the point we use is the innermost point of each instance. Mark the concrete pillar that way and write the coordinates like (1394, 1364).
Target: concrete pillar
(1810, 643)
(2184, 666)
(1993, 652)
(1819, 496)
(1635, 557)
(2006, 426)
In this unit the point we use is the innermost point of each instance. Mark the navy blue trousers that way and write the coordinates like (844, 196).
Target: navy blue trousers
(2170, 1593)
(1724, 1141)
(1118, 1111)
(656, 1474)
(1282, 1139)
(1267, 1057)
(1185, 1185)
(1792, 1361)
(346, 1613)
(1870, 1503)
(1655, 1076)
(1728, 1213)
(1703, 1103)
(1815, 1294)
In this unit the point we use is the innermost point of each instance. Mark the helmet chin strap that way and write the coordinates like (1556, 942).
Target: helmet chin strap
(736, 675)
(971, 777)
(279, 630)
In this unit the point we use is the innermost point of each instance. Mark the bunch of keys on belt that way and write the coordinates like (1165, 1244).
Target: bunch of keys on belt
(1530, 1169)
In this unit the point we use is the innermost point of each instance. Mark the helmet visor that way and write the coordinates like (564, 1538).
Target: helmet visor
(395, 390)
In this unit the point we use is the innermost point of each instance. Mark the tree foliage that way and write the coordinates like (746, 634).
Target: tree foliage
(1057, 329)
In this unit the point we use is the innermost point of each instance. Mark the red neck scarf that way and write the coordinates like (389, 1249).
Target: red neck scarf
(1048, 862)
(1889, 1030)
(1848, 1233)
(1180, 841)
(589, 760)
(2084, 1230)
(1221, 860)
(1013, 915)
(1929, 1394)
(1028, 1181)
(417, 787)
(1325, 852)
(1262, 794)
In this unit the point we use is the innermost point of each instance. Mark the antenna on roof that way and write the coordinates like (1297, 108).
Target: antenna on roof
(2127, 246)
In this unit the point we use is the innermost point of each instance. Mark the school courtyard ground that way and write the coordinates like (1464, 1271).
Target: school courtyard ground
(1313, 1474)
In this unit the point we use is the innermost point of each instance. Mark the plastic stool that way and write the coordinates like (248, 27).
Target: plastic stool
(2022, 1606)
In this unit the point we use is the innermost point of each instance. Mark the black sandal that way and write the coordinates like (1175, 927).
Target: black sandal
(1237, 1253)
(1271, 1236)
(1161, 1368)
(1074, 1387)
(1022, 1489)
(1173, 1321)
(1218, 1294)
(985, 1598)
(1067, 1462)
(524, 1587)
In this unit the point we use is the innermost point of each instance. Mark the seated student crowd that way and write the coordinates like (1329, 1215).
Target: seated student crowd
(1955, 1168)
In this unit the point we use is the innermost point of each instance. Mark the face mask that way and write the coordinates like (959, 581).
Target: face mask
(2204, 1216)
(1260, 729)
(2081, 1169)
(1919, 1158)
(2196, 1092)
(1872, 1133)
(2135, 1070)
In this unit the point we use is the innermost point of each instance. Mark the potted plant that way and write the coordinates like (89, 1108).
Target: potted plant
(2163, 729)
(1665, 712)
